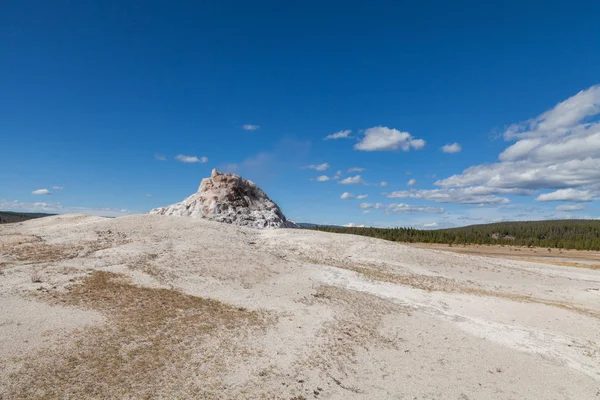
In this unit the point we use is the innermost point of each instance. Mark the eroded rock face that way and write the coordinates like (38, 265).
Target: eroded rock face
(230, 198)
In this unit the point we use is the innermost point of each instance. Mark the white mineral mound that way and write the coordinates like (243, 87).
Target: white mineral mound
(230, 198)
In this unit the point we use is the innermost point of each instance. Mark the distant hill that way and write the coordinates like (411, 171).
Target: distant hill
(7, 217)
(568, 234)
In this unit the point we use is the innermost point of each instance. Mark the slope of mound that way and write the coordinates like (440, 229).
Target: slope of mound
(151, 307)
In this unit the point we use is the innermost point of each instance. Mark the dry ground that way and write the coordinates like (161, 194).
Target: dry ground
(166, 307)
(567, 258)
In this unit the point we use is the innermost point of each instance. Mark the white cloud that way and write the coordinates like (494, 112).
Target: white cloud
(58, 208)
(362, 196)
(37, 206)
(411, 182)
(417, 144)
(318, 167)
(337, 175)
(353, 180)
(566, 195)
(41, 191)
(346, 196)
(470, 195)
(148, 195)
(160, 157)
(558, 150)
(367, 212)
(402, 208)
(430, 225)
(382, 138)
(451, 148)
(58, 187)
(339, 135)
(407, 208)
(570, 207)
(250, 127)
(383, 184)
(561, 119)
(356, 169)
(376, 206)
(323, 178)
(191, 159)
(351, 225)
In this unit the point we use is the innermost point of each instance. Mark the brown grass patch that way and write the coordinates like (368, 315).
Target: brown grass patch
(34, 249)
(156, 343)
(441, 284)
(423, 282)
(559, 263)
(536, 254)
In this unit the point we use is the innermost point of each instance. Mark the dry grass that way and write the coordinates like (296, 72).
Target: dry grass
(34, 249)
(36, 277)
(423, 282)
(559, 263)
(441, 284)
(447, 285)
(148, 264)
(538, 255)
(155, 343)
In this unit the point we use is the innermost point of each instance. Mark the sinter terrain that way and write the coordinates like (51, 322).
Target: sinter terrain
(153, 306)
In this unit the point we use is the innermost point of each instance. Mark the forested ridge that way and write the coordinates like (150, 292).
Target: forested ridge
(7, 217)
(567, 234)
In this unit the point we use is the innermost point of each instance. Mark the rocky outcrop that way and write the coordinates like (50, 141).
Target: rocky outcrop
(231, 199)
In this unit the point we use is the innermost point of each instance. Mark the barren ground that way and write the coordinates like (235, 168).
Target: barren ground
(567, 258)
(152, 307)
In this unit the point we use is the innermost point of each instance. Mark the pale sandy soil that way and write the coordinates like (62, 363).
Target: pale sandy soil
(152, 306)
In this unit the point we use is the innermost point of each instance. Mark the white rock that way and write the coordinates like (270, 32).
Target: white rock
(230, 198)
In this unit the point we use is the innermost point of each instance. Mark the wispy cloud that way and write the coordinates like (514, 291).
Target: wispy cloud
(557, 150)
(346, 196)
(250, 127)
(566, 195)
(402, 208)
(58, 187)
(353, 180)
(383, 184)
(160, 157)
(339, 135)
(41, 192)
(318, 167)
(411, 182)
(356, 169)
(470, 195)
(382, 138)
(570, 207)
(322, 178)
(191, 159)
(362, 196)
(58, 208)
(451, 148)
(337, 175)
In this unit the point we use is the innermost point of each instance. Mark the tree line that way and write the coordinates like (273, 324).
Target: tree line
(562, 234)
(7, 217)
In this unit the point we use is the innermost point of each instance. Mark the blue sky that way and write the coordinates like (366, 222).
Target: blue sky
(99, 98)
